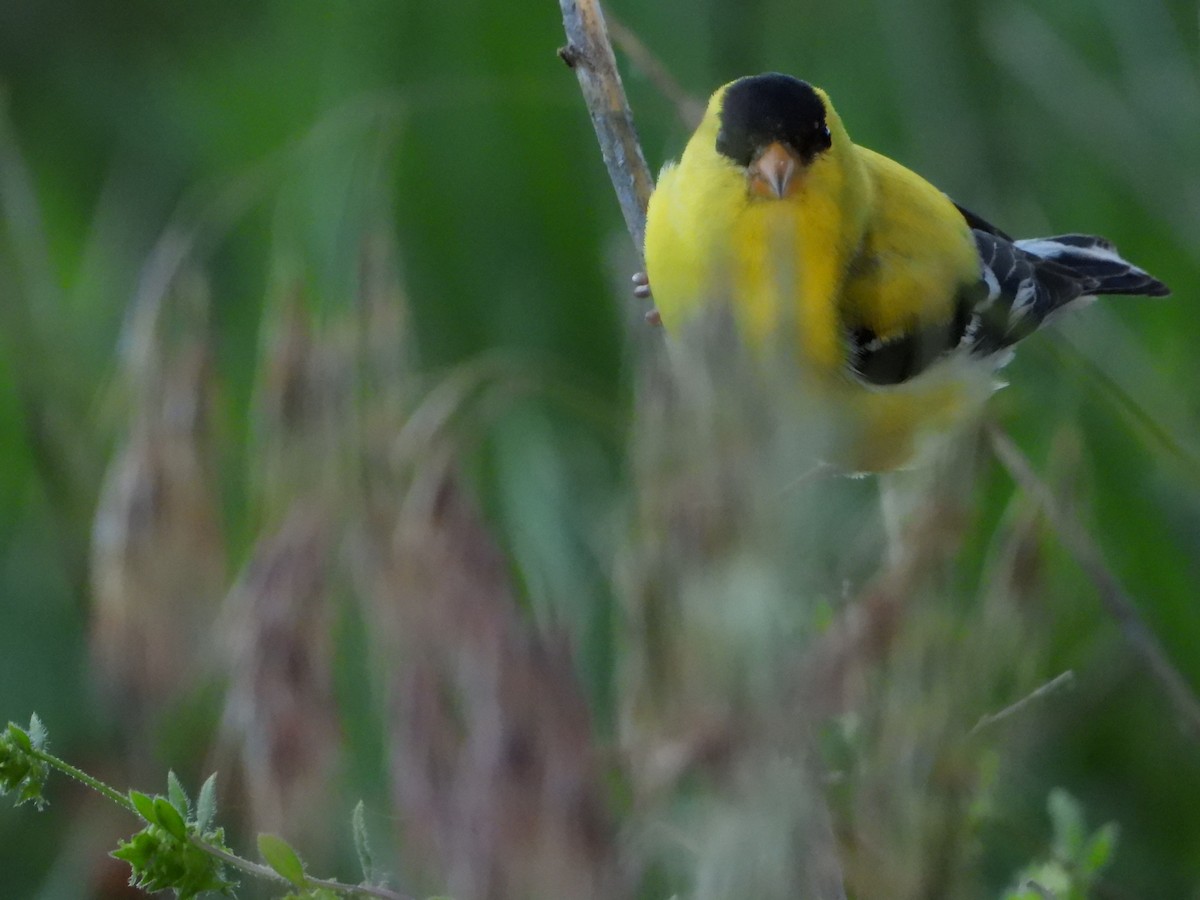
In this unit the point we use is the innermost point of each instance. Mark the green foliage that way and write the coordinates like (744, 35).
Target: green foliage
(22, 771)
(206, 804)
(163, 858)
(254, 129)
(179, 849)
(1076, 859)
(170, 852)
(280, 856)
(362, 843)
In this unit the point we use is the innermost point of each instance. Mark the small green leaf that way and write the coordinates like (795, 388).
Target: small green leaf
(279, 855)
(139, 849)
(37, 732)
(144, 806)
(206, 804)
(170, 819)
(20, 737)
(1099, 851)
(1066, 818)
(31, 792)
(21, 769)
(177, 795)
(366, 860)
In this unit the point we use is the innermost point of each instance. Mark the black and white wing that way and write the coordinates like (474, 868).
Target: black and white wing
(1021, 283)
(1027, 280)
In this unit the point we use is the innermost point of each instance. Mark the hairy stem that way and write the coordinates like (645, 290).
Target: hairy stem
(260, 871)
(245, 865)
(85, 779)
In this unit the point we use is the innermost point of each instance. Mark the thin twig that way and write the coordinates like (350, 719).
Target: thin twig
(589, 53)
(1065, 679)
(104, 790)
(1119, 604)
(268, 874)
(689, 108)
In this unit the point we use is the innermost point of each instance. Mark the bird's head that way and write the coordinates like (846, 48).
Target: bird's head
(772, 128)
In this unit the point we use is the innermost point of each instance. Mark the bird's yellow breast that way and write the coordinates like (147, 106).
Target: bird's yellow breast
(778, 265)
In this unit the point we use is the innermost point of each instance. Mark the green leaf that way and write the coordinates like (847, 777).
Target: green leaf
(170, 819)
(144, 806)
(206, 804)
(160, 862)
(20, 737)
(21, 770)
(37, 732)
(1099, 851)
(31, 792)
(138, 850)
(279, 855)
(177, 795)
(362, 844)
(1066, 818)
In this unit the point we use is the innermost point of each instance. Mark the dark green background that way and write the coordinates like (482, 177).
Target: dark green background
(1084, 116)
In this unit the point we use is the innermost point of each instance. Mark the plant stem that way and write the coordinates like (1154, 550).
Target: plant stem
(1062, 680)
(84, 778)
(251, 868)
(260, 871)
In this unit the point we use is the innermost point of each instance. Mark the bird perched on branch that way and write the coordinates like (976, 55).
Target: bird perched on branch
(899, 304)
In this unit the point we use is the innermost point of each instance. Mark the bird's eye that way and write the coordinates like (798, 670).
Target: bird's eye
(825, 130)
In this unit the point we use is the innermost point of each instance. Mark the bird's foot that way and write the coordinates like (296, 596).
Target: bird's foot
(641, 290)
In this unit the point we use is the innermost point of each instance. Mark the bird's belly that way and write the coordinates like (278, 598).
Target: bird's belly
(900, 426)
(881, 429)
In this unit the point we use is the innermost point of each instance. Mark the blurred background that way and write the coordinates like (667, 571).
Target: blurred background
(329, 457)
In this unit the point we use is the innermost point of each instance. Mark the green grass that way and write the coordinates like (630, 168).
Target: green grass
(380, 497)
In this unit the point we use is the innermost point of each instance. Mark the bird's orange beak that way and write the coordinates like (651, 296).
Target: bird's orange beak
(773, 171)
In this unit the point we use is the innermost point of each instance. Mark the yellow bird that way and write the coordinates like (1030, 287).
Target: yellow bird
(899, 303)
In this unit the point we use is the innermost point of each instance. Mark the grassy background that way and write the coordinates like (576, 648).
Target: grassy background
(279, 133)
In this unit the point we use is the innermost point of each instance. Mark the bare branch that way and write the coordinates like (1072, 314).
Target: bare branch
(1062, 680)
(589, 53)
(1119, 604)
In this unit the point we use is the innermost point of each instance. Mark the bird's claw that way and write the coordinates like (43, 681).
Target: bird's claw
(641, 290)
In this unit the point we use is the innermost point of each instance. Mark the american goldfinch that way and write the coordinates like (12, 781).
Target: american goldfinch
(899, 304)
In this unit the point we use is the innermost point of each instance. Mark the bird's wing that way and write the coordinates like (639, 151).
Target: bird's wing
(1019, 284)
(1014, 293)
(897, 359)
(1023, 288)
(979, 223)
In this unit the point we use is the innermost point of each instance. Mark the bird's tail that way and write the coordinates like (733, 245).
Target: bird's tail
(1096, 263)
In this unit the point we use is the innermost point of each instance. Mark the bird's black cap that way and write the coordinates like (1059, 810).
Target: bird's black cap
(765, 108)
